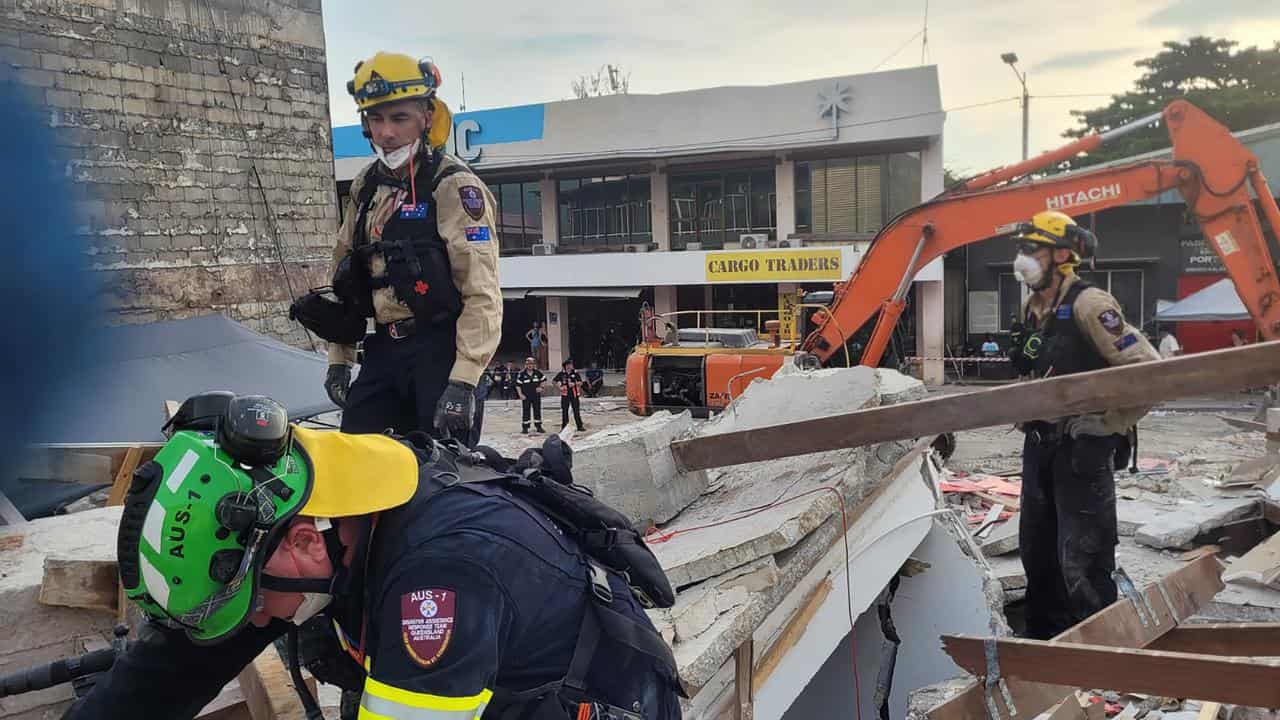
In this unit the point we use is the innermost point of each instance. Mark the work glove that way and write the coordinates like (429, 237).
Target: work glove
(455, 410)
(1089, 424)
(337, 382)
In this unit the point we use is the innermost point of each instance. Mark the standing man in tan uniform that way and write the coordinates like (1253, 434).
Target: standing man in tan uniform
(418, 252)
(1067, 531)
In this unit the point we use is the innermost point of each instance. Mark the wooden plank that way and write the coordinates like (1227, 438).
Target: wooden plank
(742, 685)
(124, 476)
(88, 584)
(1209, 711)
(268, 689)
(1247, 639)
(1241, 681)
(1259, 566)
(791, 632)
(9, 513)
(1189, 588)
(1126, 386)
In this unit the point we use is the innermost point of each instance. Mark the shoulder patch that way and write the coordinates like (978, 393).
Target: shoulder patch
(1128, 340)
(472, 201)
(1064, 312)
(426, 623)
(1111, 320)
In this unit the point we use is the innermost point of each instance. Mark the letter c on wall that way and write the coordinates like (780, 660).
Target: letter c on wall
(462, 140)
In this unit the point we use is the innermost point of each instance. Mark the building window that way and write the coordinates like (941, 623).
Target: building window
(604, 214)
(519, 216)
(1126, 286)
(712, 209)
(855, 195)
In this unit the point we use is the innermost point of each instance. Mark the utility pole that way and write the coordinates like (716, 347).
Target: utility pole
(1011, 59)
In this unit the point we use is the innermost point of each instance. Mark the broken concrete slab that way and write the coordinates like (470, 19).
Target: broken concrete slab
(921, 700)
(1176, 529)
(1008, 570)
(1003, 539)
(36, 633)
(631, 468)
(773, 504)
(894, 387)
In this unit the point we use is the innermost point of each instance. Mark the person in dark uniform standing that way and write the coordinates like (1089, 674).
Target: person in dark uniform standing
(1067, 531)
(570, 383)
(528, 383)
(460, 601)
(418, 252)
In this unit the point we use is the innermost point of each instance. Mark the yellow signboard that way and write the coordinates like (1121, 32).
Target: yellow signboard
(775, 265)
(788, 304)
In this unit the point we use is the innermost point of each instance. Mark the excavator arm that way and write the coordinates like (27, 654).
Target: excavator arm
(1210, 169)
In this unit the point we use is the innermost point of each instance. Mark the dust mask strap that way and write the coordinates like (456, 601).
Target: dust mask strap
(396, 159)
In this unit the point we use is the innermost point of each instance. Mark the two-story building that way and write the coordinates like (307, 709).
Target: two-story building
(716, 199)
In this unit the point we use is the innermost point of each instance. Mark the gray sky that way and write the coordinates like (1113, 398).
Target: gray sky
(526, 52)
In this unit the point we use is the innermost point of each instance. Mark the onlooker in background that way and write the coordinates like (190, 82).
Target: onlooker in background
(501, 380)
(537, 344)
(595, 380)
(1169, 346)
(528, 383)
(570, 394)
(990, 348)
(1237, 338)
(510, 392)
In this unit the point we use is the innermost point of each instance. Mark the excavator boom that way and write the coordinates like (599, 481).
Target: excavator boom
(1210, 168)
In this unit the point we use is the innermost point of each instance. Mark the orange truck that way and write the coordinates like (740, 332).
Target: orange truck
(704, 369)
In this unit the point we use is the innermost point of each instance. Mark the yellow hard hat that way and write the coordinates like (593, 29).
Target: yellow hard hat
(391, 77)
(1058, 229)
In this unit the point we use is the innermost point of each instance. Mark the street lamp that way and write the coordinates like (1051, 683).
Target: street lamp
(1011, 59)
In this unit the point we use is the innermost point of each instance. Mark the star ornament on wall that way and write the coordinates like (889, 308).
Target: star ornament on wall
(834, 100)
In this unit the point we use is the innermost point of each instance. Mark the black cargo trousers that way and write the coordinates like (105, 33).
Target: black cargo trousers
(1067, 533)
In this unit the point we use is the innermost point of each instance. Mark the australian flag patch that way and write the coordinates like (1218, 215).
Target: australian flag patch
(478, 233)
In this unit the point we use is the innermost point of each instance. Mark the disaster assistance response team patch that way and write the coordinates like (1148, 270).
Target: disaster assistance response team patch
(1111, 320)
(472, 201)
(426, 623)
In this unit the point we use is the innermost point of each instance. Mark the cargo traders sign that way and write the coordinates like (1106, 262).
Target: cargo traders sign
(774, 266)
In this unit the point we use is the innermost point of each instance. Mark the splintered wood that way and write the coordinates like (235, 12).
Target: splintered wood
(1121, 624)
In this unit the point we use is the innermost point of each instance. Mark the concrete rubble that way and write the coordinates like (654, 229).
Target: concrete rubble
(631, 468)
(36, 633)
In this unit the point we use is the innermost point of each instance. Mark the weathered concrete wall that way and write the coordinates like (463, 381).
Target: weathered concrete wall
(167, 113)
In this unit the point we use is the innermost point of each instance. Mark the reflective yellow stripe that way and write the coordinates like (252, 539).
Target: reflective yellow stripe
(387, 702)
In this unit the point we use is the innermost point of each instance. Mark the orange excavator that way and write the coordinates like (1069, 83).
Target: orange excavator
(1209, 167)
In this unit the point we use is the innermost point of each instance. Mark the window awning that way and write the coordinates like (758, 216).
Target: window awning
(514, 293)
(611, 292)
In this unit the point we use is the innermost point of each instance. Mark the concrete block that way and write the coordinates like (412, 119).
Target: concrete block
(694, 612)
(1003, 538)
(894, 387)
(631, 468)
(1178, 528)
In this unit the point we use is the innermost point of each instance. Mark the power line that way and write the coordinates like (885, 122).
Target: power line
(900, 49)
(1072, 95)
(924, 42)
(253, 165)
(753, 138)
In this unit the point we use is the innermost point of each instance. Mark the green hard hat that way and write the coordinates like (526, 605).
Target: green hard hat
(197, 528)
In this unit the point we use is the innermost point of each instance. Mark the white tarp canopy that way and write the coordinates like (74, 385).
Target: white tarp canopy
(1218, 301)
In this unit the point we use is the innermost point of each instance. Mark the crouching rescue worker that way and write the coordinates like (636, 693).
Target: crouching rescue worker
(418, 252)
(1067, 532)
(454, 595)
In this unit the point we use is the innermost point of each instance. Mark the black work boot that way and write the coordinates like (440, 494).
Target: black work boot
(539, 427)
(524, 429)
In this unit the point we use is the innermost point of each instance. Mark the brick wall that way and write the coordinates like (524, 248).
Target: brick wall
(167, 113)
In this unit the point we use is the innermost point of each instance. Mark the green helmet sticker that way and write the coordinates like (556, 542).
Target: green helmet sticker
(197, 528)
